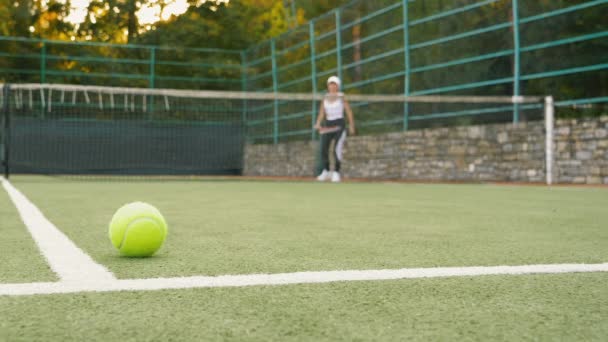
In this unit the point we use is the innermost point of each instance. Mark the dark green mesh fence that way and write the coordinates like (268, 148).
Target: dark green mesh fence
(76, 130)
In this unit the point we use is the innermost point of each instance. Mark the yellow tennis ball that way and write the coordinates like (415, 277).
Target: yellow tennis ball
(137, 229)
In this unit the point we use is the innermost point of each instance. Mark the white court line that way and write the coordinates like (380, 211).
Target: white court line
(290, 278)
(69, 262)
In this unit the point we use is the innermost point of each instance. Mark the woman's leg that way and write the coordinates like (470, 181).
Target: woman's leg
(325, 143)
(339, 150)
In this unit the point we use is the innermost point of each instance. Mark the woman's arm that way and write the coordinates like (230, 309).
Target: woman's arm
(320, 117)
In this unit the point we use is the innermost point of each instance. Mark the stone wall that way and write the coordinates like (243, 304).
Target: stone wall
(581, 151)
(473, 153)
(500, 152)
(296, 159)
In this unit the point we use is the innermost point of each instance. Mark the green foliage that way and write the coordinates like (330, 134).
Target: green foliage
(113, 20)
(313, 9)
(235, 25)
(33, 18)
(6, 26)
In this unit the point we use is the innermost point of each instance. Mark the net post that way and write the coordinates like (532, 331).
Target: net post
(549, 124)
(406, 48)
(516, 57)
(6, 129)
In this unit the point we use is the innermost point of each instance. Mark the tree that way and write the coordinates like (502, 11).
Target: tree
(6, 17)
(48, 20)
(116, 20)
(111, 21)
(33, 18)
(313, 9)
(233, 25)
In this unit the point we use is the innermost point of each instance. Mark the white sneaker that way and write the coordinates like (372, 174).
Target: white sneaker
(323, 176)
(335, 177)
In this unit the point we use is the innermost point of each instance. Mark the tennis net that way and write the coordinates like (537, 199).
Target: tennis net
(74, 129)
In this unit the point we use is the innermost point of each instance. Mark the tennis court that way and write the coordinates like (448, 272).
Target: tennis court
(329, 170)
(227, 227)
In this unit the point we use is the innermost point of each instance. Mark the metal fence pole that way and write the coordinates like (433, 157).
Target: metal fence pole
(275, 88)
(294, 13)
(43, 75)
(151, 78)
(313, 120)
(244, 87)
(6, 130)
(151, 81)
(43, 62)
(339, 42)
(516, 58)
(406, 49)
(313, 74)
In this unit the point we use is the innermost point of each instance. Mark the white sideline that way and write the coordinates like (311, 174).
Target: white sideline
(69, 262)
(79, 273)
(289, 278)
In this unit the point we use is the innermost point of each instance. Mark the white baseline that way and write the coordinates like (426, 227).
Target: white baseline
(290, 278)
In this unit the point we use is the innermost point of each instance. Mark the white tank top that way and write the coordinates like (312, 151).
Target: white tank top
(334, 109)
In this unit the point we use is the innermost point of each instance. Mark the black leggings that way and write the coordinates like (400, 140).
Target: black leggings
(339, 136)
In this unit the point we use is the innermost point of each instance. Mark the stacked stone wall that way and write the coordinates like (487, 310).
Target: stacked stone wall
(500, 152)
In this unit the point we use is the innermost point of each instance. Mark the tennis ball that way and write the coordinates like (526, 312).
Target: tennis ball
(137, 229)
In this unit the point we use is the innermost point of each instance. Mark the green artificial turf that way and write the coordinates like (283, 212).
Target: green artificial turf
(20, 259)
(566, 307)
(238, 227)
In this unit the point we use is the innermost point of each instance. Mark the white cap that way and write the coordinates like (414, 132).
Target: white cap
(334, 79)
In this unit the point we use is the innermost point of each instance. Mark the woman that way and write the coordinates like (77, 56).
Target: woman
(332, 110)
